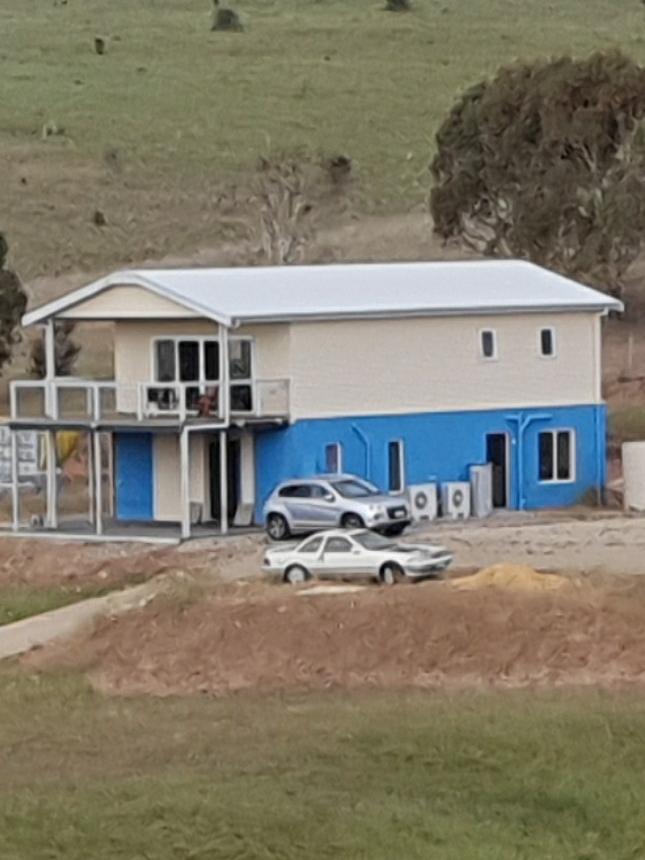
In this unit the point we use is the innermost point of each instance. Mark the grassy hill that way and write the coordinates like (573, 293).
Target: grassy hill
(149, 132)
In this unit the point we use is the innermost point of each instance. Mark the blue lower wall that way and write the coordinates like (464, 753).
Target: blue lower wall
(439, 446)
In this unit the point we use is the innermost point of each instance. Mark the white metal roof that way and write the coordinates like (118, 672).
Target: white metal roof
(281, 293)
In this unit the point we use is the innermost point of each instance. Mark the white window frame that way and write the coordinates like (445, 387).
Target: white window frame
(554, 342)
(176, 338)
(401, 448)
(572, 453)
(248, 381)
(339, 457)
(482, 355)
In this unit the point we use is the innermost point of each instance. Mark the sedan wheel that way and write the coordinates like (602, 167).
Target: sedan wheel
(277, 527)
(296, 575)
(391, 574)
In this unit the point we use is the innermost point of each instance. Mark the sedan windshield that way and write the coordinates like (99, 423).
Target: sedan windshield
(371, 540)
(352, 489)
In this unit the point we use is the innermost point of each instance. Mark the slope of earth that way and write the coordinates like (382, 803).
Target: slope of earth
(159, 133)
(254, 637)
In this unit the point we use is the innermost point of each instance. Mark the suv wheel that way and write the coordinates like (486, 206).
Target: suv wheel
(277, 527)
(352, 521)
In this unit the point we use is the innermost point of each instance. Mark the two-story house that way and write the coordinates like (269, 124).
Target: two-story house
(227, 381)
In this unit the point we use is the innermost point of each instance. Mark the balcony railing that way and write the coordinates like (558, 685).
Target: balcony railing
(104, 401)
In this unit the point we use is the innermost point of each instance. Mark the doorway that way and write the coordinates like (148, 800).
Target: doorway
(497, 453)
(233, 475)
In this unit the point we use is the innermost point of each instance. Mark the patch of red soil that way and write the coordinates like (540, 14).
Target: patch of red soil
(262, 638)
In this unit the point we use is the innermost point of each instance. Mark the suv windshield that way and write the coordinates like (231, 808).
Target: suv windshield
(352, 489)
(370, 540)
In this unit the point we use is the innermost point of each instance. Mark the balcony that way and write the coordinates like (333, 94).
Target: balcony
(90, 402)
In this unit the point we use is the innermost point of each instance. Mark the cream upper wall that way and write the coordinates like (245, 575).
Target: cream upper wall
(434, 364)
(396, 366)
(127, 303)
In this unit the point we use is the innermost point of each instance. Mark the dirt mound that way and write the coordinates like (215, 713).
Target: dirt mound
(516, 577)
(263, 638)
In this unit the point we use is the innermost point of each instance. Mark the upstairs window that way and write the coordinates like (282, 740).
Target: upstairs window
(186, 360)
(547, 342)
(241, 370)
(556, 453)
(488, 343)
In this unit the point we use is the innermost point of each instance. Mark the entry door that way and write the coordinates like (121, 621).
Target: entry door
(134, 476)
(233, 478)
(497, 449)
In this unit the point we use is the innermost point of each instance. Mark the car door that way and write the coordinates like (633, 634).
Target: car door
(310, 554)
(296, 499)
(323, 508)
(342, 557)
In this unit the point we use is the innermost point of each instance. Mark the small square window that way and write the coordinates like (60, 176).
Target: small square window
(488, 344)
(547, 342)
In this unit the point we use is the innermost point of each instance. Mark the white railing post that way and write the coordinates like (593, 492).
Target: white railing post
(96, 396)
(182, 402)
(15, 486)
(13, 400)
(140, 390)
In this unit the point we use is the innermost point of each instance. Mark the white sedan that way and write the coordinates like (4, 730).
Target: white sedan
(359, 553)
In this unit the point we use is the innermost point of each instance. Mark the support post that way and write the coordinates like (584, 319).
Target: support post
(90, 477)
(15, 487)
(223, 483)
(98, 484)
(50, 369)
(52, 494)
(184, 480)
(225, 375)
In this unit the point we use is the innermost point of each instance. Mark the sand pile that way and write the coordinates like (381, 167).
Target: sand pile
(513, 577)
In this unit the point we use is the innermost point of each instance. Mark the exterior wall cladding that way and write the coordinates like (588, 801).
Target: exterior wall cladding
(441, 446)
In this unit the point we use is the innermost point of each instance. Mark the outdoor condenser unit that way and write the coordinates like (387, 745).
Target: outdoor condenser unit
(423, 502)
(455, 500)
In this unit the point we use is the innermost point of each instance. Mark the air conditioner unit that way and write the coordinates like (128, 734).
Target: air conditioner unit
(423, 502)
(481, 484)
(455, 500)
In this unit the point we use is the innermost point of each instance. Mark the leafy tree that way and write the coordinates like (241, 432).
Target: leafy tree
(546, 162)
(13, 301)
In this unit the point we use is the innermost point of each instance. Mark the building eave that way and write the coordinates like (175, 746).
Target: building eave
(118, 279)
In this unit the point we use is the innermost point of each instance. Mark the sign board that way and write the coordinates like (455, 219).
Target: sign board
(28, 455)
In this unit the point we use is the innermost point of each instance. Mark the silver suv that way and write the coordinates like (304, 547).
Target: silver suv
(329, 501)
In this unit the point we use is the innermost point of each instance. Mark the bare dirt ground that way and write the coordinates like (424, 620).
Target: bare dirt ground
(237, 632)
(45, 564)
(268, 638)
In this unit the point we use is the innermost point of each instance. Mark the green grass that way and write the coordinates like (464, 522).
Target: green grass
(22, 601)
(489, 777)
(185, 107)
